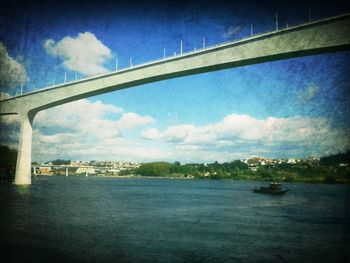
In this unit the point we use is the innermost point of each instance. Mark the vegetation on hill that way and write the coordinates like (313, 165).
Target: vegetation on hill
(332, 169)
(155, 169)
(61, 162)
(336, 159)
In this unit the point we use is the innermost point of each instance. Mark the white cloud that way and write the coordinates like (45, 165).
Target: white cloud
(130, 119)
(178, 133)
(76, 146)
(244, 135)
(270, 129)
(88, 130)
(84, 53)
(80, 116)
(151, 134)
(247, 128)
(12, 73)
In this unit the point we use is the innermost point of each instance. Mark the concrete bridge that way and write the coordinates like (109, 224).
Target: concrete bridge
(327, 35)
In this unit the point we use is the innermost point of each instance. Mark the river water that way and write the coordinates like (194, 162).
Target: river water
(91, 219)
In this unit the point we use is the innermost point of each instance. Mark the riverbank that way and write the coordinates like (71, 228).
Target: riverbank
(296, 179)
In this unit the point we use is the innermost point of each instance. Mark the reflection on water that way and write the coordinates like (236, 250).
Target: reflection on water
(87, 219)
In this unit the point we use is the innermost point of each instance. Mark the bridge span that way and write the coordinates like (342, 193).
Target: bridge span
(323, 36)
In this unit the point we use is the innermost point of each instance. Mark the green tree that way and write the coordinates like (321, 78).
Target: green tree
(264, 173)
(60, 162)
(239, 164)
(154, 169)
(176, 168)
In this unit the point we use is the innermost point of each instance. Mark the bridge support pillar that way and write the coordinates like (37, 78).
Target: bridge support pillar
(24, 158)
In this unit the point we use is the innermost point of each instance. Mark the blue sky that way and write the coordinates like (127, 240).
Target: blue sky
(290, 108)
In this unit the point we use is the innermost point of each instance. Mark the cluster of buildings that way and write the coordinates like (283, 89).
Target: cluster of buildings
(254, 162)
(108, 168)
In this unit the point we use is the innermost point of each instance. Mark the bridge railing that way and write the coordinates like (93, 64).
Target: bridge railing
(171, 57)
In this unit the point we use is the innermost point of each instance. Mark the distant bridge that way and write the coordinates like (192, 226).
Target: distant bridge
(323, 36)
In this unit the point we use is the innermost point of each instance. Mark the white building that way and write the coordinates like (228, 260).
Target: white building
(85, 170)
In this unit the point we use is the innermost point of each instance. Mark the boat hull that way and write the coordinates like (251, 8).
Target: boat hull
(269, 191)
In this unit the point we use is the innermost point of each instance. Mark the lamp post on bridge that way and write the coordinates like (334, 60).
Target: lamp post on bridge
(181, 47)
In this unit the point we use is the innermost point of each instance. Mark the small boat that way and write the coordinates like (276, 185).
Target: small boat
(273, 188)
